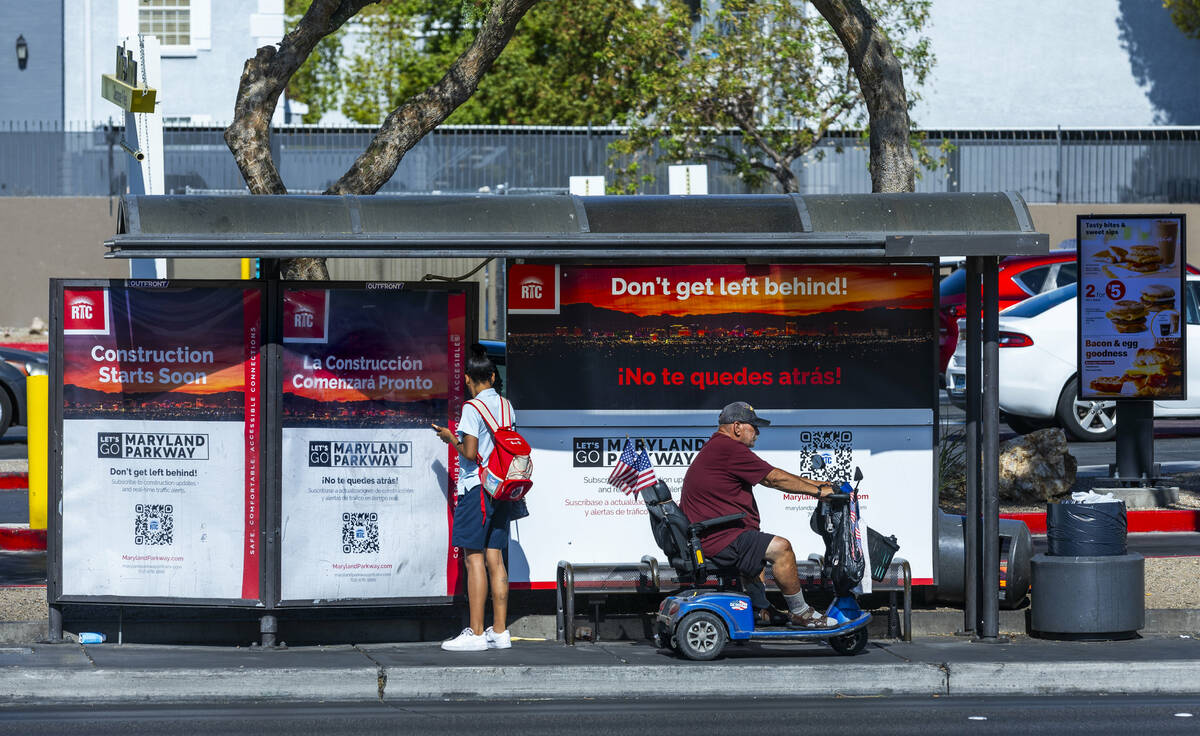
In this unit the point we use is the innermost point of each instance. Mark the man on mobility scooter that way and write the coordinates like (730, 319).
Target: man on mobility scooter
(720, 482)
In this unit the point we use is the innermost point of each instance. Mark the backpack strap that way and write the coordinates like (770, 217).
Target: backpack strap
(489, 419)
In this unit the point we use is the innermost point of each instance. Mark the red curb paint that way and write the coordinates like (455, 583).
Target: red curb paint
(22, 539)
(33, 347)
(14, 480)
(1144, 520)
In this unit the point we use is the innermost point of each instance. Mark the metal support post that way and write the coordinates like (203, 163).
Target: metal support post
(268, 626)
(1135, 440)
(989, 569)
(971, 428)
(56, 623)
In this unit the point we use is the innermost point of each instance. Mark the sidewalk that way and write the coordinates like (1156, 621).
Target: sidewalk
(935, 666)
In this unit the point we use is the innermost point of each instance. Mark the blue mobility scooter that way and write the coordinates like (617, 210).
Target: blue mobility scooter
(699, 621)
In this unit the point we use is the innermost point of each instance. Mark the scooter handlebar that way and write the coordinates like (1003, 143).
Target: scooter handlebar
(839, 497)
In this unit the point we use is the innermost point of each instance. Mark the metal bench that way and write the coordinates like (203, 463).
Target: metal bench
(597, 580)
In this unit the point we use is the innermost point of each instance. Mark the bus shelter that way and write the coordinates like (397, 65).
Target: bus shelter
(629, 319)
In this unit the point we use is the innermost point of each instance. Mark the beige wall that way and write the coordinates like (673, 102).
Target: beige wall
(48, 237)
(1058, 220)
(45, 237)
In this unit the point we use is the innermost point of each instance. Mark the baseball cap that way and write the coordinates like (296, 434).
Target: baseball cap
(740, 411)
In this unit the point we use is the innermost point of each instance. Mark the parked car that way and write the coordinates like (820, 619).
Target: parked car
(1020, 278)
(1038, 383)
(15, 365)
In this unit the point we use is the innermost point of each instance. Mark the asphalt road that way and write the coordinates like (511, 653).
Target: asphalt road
(657, 714)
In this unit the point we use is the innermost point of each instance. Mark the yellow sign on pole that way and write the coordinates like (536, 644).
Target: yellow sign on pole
(122, 88)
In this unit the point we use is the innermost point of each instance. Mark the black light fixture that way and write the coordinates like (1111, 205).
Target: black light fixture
(22, 52)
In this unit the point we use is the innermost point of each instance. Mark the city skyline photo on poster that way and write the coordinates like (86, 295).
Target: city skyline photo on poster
(699, 336)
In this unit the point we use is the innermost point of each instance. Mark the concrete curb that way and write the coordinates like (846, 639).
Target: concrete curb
(808, 679)
(60, 685)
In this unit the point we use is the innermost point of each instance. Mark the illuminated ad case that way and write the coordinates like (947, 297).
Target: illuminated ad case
(839, 358)
(1132, 320)
(366, 483)
(160, 387)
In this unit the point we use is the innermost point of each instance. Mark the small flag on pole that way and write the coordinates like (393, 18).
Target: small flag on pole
(633, 471)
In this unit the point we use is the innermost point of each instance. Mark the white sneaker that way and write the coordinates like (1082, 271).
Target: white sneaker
(497, 641)
(467, 641)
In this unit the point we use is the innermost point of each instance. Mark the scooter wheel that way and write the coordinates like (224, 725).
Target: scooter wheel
(850, 644)
(701, 636)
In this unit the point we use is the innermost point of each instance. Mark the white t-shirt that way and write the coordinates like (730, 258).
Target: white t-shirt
(472, 423)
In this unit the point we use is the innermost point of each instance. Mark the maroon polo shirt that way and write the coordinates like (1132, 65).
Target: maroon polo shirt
(720, 481)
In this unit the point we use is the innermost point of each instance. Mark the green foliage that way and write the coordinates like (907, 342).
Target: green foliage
(570, 62)
(775, 74)
(316, 82)
(1185, 14)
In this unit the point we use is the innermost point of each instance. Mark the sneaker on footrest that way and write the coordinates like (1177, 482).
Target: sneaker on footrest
(811, 619)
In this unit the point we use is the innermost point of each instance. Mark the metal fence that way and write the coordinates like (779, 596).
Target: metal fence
(1050, 165)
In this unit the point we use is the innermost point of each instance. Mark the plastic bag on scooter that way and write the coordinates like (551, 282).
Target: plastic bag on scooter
(838, 525)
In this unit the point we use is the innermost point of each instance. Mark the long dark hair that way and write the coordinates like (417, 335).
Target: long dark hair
(481, 368)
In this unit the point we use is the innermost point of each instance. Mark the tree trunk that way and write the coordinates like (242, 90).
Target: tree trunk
(882, 82)
(265, 77)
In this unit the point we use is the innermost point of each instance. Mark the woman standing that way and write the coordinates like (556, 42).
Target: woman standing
(480, 523)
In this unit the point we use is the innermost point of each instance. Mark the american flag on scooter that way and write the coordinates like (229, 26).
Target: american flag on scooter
(633, 471)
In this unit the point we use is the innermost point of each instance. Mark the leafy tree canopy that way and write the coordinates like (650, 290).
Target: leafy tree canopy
(772, 71)
(1186, 15)
(570, 62)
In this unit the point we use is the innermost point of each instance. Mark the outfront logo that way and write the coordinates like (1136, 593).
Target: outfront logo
(85, 311)
(532, 289)
(306, 315)
(330, 454)
(151, 445)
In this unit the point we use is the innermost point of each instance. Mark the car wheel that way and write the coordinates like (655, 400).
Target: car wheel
(701, 636)
(6, 411)
(1025, 425)
(1086, 420)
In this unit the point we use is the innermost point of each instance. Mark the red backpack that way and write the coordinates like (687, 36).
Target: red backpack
(507, 476)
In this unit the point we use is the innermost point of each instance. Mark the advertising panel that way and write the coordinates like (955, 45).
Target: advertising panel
(366, 484)
(161, 417)
(840, 358)
(1132, 341)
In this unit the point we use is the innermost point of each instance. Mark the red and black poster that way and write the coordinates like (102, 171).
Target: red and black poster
(366, 483)
(700, 336)
(161, 407)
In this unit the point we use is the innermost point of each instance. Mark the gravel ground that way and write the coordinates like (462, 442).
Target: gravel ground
(23, 603)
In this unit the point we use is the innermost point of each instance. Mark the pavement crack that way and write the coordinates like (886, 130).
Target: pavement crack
(381, 675)
(944, 667)
(87, 654)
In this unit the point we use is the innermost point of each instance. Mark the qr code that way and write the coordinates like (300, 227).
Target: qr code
(153, 524)
(360, 533)
(837, 449)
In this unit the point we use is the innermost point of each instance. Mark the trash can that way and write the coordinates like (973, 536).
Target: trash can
(1087, 585)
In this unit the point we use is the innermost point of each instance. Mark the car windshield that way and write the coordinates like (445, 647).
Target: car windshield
(1035, 305)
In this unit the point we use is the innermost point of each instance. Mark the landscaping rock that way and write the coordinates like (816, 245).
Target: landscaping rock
(1036, 467)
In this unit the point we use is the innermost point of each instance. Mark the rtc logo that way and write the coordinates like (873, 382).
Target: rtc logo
(85, 311)
(532, 289)
(306, 315)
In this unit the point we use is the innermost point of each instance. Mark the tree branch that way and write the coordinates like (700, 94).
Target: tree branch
(410, 122)
(264, 78)
(881, 80)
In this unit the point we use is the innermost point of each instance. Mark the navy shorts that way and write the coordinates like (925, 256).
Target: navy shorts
(480, 527)
(747, 552)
